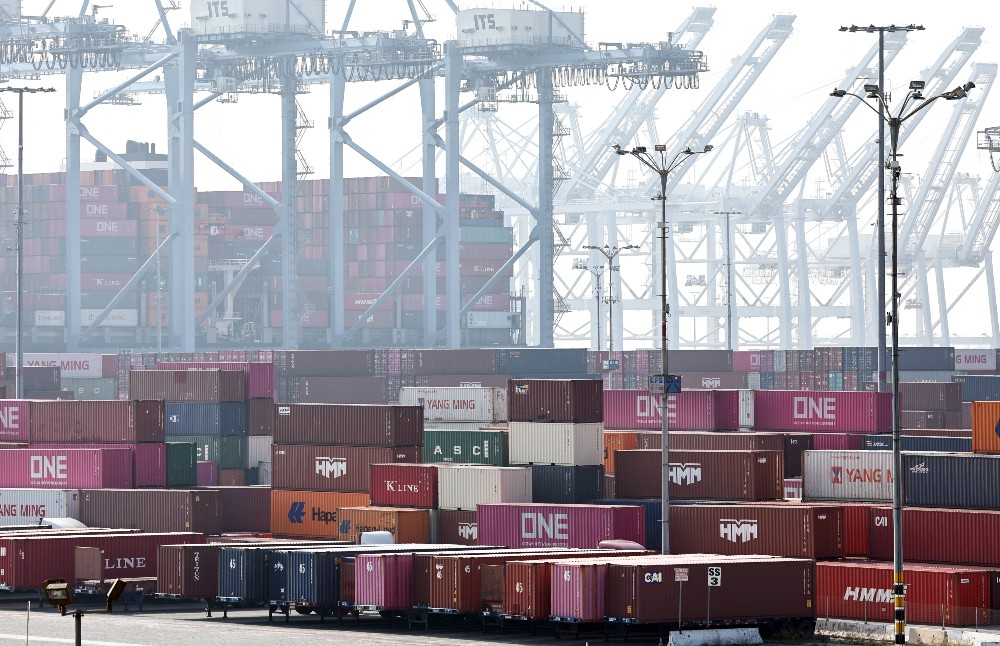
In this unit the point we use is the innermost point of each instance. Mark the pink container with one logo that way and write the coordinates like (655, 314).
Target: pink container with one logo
(689, 410)
(14, 420)
(822, 412)
(66, 468)
(543, 525)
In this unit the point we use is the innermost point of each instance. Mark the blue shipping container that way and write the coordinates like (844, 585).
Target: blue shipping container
(922, 443)
(981, 388)
(228, 418)
(566, 485)
(955, 480)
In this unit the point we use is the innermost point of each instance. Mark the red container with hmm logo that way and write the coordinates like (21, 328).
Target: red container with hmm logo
(702, 475)
(457, 527)
(543, 525)
(66, 468)
(404, 485)
(822, 411)
(332, 468)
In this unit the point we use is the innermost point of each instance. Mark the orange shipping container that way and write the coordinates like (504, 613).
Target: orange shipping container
(985, 419)
(310, 513)
(405, 525)
(617, 441)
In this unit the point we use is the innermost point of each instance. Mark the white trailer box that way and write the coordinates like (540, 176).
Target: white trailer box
(26, 506)
(859, 476)
(561, 443)
(458, 404)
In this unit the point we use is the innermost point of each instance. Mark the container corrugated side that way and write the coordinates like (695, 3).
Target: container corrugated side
(149, 460)
(199, 418)
(310, 513)
(847, 475)
(951, 480)
(259, 375)
(245, 508)
(404, 485)
(702, 475)
(465, 487)
(458, 404)
(188, 385)
(405, 525)
(555, 400)
(182, 460)
(821, 412)
(65, 468)
(152, 510)
(354, 424)
(564, 526)
(97, 421)
(489, 447)
(577, 590)
(985, 421)
(559, 484)
(27, 506)
(556, 443)
(228, 451)
(332, 468)
(689, 410)
(457, 526)
(15, 420)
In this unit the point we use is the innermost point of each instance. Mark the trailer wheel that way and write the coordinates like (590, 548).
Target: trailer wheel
(806, 628)
(303, 611)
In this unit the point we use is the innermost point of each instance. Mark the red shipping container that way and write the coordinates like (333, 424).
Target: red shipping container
(404, 485)
(260, 376)
(544, 525)
(838, 441)
(457, 527)
(108, 228)
(149, 460)
(798, 531)
(935, 595)
(555, 400)
(260, 416)
(208, 473)
(188, 385)
(577, 590)
(822, 412)
(15, 420)
(958, 536)
(27, 562)
(354, 424)
(245, 509)
(66, 468)
(152, 510)
(98, 421)
(702, 475)
(331, 468)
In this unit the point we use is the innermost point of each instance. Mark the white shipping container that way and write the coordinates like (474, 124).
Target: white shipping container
(264, 473)
(486, 27)
(466, 486)
(861, 476)
(71, 364)
(26, 506)
(256, 16)
(466, 404)
(746, 410)
(561, 443)
(258, 449)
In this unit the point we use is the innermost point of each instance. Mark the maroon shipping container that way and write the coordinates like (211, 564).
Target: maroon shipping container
(189, 571)
(958, 536)
(208, 473)
(838, 442)
(822, 411)
(260, 416)
(245, 509)
(357, 424)
(333, 390)
(519, 526)
(795, 444)
(555, 400)
(692, 441)
(152, 510)
(646, 590)
(260, 376)
(331, 468)
(700, 361)
(404, 485)
(935, 595)
(325, 363)
(797, 531)
(65, 468)
(97, 421)
(149, 460)
(468, 361)
(457, 527)
(455, 381)
(855, 529)
(576, 590)
(701, 475)
(212, 386)
(383, 581)
(928, 395)
(28, 561)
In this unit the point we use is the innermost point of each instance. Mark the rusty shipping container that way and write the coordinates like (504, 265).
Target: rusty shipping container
(332, 468)
(404, 485)
(405, 525)
(797, 531)
(351, 424)
(555, 400)
(310, 513)
(152, 510)
(209, 386)
(702, 475)
(106, 422)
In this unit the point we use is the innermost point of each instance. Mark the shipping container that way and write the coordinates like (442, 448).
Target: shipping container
(489, 446)
(404, 485)
(457, 526)
(558, 484)
(920, 443)
(65, 468)
(333, 390)
(404, 524)
(458, 404)
(259, 376)
(951, 480)
(924, 359)
(545, 525)
(577, 587)
(702, 475)
(188, 385)
(15, 420)
(837, 441)
(795, 444)
(96, 421)
(152, 510)
(467, 486)
(936, 535)
(227, 451)
(555, 400)
(689, 410)
(197, 418)
(652, 509)
(208, 473)
(258, 450)
(182, 460)
(90, 389)
(29, 506)
(985, 421)
(556, 443)
(847, 475)
(800, 531)
(935, 595)
(332, 468)
(310, 513)
(980, 388)
(244, 508)
(527, 362)
(930, 396)
(357, 425)
(149, 460)
(325, 363)
(260, 416)
(820, 412)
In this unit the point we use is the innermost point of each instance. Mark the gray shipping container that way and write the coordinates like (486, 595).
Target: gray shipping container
(566, 485)
(962, 481)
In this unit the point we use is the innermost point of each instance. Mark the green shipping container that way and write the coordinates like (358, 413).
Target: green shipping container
(466, 447)
(182, 469)
(91, 389)
(487, 235)
(227, 451)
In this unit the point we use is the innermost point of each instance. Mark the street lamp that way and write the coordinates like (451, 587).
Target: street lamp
(658, 164)
(59, 594)
(611, 253)
(895, 122)
(596, 271)
(19, 279)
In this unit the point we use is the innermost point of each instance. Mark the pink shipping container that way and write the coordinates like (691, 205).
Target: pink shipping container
(404, 485)
(97, 421)
(747, 361)
(208, 473)
(27, 562)
(822, 411)
(66, 468)
(260, 376)
(577, 590)
(104, 210)
(99, 193)
(149, 460)
(383, 581)
(15, 419)
(543, 525)
(838, 441)
(354, 424)
(689, 410)
(108, 228)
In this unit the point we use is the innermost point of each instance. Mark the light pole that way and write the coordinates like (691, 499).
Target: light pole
(895, 122)
(159, 283)
(730, 294)
(19, 279)
(880, 224)
(596, 271)
(663, 169)
(611, 253)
